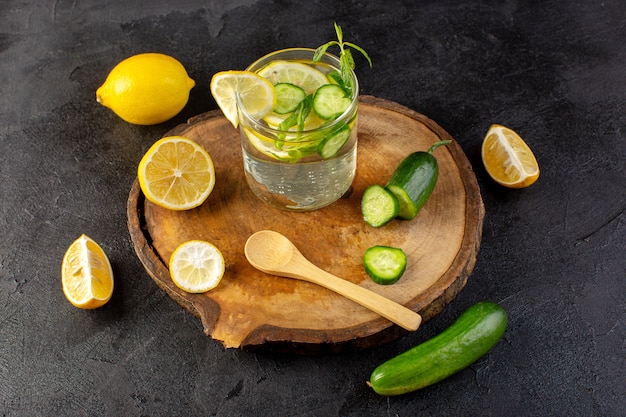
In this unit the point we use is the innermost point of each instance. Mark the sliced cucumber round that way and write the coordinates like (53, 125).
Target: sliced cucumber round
(330, 101)
(332, 143)
(288, 97)
(384, 264)
(378, 205)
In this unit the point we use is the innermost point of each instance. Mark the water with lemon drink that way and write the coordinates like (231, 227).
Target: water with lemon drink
(302, 156)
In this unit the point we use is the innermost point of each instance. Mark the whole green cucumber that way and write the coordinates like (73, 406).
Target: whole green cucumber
(472, 335)
(413, 181)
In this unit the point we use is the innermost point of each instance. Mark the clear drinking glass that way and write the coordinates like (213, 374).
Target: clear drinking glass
(302, 168)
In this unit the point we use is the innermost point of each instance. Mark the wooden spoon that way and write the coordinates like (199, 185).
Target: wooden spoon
(273, 253)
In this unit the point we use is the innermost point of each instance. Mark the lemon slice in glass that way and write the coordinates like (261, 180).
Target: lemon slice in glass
(196, 266)
(313, 121)
(286, 151)
(508, 159)
(86, 274)
(296, 73)
(176, 173)
(266, 145)
(255, 93)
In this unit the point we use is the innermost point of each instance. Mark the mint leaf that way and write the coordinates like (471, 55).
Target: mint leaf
(346, 60)
(339, 32)
(361, 50)
(304, 110)
(321, 50)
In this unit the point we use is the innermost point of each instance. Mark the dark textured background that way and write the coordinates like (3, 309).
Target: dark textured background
(553, 254)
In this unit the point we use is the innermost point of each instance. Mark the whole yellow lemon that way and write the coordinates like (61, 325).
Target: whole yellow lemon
(146, 89)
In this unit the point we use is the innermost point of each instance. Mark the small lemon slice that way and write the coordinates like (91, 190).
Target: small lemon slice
(257, 95)
(508, 159)
(313, 121)
(196, 266)
(296, 73)
(86, 274)
(287, 152)
(176, 173)
(265, 145)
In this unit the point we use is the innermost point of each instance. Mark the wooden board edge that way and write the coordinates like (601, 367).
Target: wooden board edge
(157, 268)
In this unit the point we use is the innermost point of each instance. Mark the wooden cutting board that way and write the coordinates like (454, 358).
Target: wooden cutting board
(253, 310)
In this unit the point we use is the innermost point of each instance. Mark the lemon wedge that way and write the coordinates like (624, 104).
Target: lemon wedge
(508, 159)
(176, 173)
(196, 266)
(86, 274)
(256, 94)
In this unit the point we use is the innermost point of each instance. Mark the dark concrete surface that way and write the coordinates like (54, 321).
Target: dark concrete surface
(553, 255)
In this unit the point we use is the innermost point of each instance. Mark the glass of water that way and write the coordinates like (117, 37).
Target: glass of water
(302, 156)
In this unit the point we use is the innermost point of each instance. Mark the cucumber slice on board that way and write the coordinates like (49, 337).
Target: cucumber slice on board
(384, 264)
(378, 205)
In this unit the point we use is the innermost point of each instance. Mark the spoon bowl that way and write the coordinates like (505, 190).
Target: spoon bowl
(275, 254)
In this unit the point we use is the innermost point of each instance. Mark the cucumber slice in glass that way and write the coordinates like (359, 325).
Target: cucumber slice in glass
(335, 77)
(384, 264)
(330, 101)
(288, 97)
(331, 144)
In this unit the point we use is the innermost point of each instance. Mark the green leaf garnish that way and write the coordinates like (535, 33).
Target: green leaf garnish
(299, 115)
(346, 60)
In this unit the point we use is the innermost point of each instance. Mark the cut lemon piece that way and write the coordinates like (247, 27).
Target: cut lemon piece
(313, 121)
(196, 266)
(508, 159)
(176, 173)
(264, 145)
(256, 94)
(284, 151)
(296, 73)
(86, 274)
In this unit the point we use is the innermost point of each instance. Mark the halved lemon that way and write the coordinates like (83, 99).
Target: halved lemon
(196, 266)
(508, 159)
(296, 73)
(256, 94)
(86, 274)
(176, 173)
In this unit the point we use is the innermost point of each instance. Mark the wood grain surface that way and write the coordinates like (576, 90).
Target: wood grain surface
(253, 310)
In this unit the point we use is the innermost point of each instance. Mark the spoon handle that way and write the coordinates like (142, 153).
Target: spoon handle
(392, 311)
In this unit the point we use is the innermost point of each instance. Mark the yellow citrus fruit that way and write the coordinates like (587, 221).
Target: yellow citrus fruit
(296, 73)
(266, 145)
(176, 173)
(508, 159)
(86, 274)
(146, 89)
(196, 266)
(313, 121)
(256, 94)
